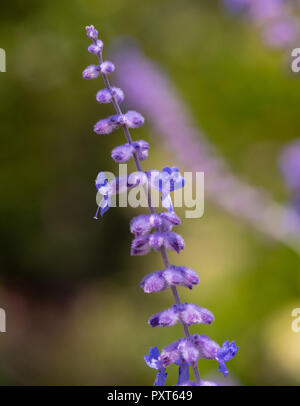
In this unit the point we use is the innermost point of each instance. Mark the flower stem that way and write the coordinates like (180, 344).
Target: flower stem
(151, 208)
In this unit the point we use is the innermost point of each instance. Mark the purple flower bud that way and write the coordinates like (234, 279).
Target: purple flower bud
(170, 354)
(188, 351)
(193, 314)
(104, 96)
(107, 67)
(174, 242)
(141, 149)
(92, 33)
(96, 48)
(140, 225)
(156, 240)
(122, 153)
(105, 126)
(91, 72)
(154, 282)
(140, 245)
(133, 119)
(166, 318)
(118, 94)
(208, 349)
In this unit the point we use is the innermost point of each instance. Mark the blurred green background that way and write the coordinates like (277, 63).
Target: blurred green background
(75, 312)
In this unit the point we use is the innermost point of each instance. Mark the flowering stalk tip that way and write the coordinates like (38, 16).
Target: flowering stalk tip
(155, 230)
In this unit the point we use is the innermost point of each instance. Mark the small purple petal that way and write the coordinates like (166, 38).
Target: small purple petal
(152, 359)
(224, 354)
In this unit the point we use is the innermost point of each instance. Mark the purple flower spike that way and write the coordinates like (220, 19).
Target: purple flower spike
(140, 246)
(167, 318)
(154, 282)
(91, 72)
(133, 119)
(188, 351)
(107, 67)
(154, 230)
(226, 353)
(92, 33)
(96, 48)
(193, 314)
(174, 242)
(152, 360)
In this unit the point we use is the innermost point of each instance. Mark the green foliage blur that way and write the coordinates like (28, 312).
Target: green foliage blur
(75, 312)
